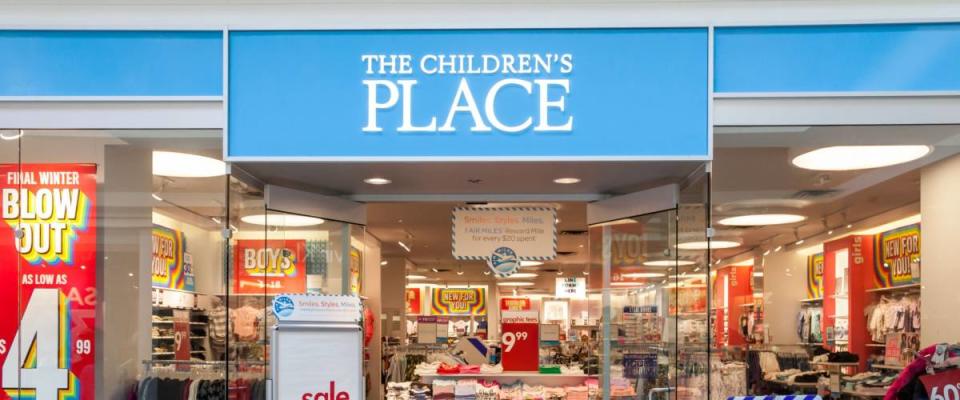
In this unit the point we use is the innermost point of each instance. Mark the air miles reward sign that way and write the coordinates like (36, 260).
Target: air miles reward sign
(468, 94)
(50, 350)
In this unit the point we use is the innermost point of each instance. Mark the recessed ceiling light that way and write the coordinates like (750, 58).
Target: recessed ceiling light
(377, 181)
(416, 277)
(758, 274)
(383, 263)
(183, 165)
(703, 245)
(514, 283)
(486, 272)
(643, 275)
(434, 269)
(530, 263)
(521, 275)
(626, 283)
(156, 197)
(281, 220)
(459, 272)
(404, 245)
(762, 219)
(566, 181)
(667, 263)
(848, 158)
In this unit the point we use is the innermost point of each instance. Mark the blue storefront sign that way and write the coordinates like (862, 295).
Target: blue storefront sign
(596, 94)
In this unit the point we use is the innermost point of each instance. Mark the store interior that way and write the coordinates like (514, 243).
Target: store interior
(812, 281)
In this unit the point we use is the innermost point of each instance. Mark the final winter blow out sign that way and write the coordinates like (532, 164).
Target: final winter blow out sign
(48, 254)
(481, 94)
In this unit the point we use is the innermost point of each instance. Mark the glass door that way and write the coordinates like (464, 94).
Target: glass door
(653, 260)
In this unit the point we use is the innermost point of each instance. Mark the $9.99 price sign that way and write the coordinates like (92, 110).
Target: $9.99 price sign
(943, 386)
(520, 341)
(48, 264)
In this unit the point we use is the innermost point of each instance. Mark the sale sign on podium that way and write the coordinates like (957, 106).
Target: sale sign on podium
(520, 340)
(48, 254)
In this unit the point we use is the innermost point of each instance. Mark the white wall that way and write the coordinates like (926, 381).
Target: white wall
(784, 285)
(940, 207)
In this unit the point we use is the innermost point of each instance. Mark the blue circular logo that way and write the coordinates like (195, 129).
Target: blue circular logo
(283, 306)
(504, 261)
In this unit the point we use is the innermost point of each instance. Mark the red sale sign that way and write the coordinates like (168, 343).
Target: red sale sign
(272, 266)
(48, 250)
(943, 386)
(520, 340)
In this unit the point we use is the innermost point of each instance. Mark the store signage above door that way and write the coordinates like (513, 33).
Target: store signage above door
(557, 94)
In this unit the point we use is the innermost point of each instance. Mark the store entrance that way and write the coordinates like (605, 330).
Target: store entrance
(616, 306)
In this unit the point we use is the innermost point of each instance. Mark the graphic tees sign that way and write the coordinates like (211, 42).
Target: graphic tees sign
(614, 94)
(274, 266)
(52, 350)
(520, 340)
(898, 261)
(465, 301)
(504, 236)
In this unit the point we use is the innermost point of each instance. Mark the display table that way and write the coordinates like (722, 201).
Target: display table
(530, 378)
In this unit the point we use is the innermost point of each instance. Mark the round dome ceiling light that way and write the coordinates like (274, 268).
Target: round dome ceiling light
(638, 275)
(377, 181)
(183, 165)
(850, 158)
(288, 220)
(521, 275)
(668, 263)
(703, 245)
(566, 181)
(762, 219)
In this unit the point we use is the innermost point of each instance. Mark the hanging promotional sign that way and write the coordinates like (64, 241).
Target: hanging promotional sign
(316, 308)
(520, 340)
(520, 94)
(169, 268)
(571, 288)
(514, 304)
(640, 365)
(49, 354)
(505, 236)
(898, 257)
(271, 267)
(687, 299)
(815, 276)
(319, 359)
(413, 301)
(458, 301)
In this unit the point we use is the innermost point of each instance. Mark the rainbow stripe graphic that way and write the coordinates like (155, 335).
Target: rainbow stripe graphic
(75, 221)
(882, 273)
(72, 391)
(815, 276)
(459, 301)
(171, 271)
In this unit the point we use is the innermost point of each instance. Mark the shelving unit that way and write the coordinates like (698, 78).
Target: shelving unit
(915, 286)
(198, 342)
(889, 367)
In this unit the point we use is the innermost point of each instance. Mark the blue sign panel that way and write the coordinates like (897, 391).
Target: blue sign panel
(615, 94)
(848, 58)
(111, 63)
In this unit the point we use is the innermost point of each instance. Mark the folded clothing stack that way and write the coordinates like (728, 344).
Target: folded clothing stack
(443, 389)
(466, 389)
(621, 387)
(577, 392)
(511, 392)
(426, 368)
(533, 392)
(491, 369)
(398, 391)
(488, 390)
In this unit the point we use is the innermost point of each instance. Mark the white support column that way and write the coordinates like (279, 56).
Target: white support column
(940, 210)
